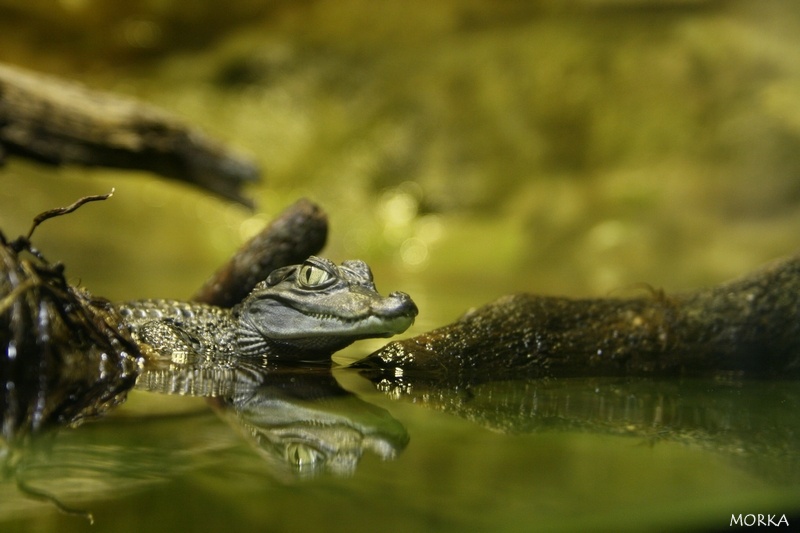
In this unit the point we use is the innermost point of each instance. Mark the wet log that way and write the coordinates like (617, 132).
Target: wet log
(57, 122)
(746, 327)
(65, 356)
(300, 231)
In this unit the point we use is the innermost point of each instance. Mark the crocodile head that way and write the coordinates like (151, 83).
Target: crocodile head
(318, 308)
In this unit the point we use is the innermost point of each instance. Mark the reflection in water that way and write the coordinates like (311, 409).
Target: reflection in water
(752, 423)
(74, 470)
(304, 423)
(301, 421)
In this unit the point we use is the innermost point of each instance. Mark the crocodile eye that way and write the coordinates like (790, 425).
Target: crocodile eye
(312, 277)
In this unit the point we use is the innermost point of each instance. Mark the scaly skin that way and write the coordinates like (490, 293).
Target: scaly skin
(299, 312)
(176, 329)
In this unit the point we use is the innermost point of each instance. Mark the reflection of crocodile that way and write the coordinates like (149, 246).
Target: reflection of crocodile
(300, 420)
(313, 309)
(303, 423)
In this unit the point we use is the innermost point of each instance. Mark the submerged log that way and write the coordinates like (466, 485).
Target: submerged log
(59, 122)
(747, 327)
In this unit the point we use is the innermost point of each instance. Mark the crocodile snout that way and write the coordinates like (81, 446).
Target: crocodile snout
(399, 303)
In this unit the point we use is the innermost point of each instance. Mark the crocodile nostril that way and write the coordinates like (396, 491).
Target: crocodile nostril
(405, 303)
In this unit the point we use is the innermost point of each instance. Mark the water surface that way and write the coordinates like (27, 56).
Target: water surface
(558, 455)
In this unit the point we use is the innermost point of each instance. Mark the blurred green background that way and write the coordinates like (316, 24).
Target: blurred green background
(465, 149)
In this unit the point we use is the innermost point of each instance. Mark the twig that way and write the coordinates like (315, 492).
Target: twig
(49, 498)
(57, 212)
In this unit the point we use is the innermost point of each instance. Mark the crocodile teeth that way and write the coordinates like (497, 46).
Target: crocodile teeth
(323, 316)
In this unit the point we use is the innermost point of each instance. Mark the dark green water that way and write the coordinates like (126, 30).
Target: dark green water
(518, 456)
(465, 151)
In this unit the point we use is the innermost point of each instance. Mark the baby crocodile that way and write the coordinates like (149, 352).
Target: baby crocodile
(300, 311)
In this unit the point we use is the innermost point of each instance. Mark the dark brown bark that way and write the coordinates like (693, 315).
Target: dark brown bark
(59, 122)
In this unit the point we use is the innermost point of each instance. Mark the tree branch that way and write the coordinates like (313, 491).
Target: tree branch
(57, 122)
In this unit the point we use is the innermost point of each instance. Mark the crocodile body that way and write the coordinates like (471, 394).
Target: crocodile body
(178, 329)
(305, 311)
